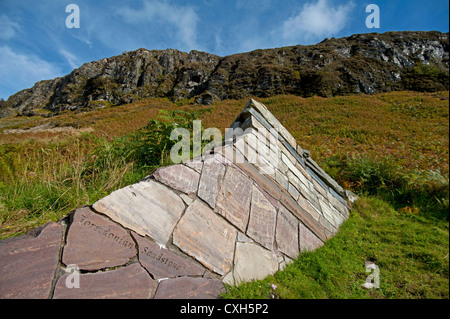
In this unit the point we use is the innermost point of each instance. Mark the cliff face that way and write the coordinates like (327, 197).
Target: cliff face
(365, 63)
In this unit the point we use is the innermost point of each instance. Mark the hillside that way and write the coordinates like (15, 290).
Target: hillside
(391, 149)
(365, 63)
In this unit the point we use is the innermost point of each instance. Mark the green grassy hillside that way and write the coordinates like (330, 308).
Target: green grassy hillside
(391, 149)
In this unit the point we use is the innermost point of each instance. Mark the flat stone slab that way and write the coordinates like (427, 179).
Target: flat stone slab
(307, 240)
(130, 282)
(261, 225)
(28, 264)
(251, 261)
(148, 208)
(287, 233)
(179, 177)
(163, 263)
(189, 288)
(205, 236)
(95, 242)
(210, 181)
(233, 201)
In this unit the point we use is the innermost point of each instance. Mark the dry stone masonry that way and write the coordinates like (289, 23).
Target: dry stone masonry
(240, 213)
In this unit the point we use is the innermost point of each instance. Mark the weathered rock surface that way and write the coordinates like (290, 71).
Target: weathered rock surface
(94, 242)
(253, 262)
(130, 282)
(163, 263)
(233, 199)
(362, 63)
(207, 237)
(28, 263)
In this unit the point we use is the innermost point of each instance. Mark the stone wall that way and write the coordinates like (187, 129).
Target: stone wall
(239, 213)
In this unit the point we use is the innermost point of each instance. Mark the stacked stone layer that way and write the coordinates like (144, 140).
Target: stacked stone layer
(240, 213)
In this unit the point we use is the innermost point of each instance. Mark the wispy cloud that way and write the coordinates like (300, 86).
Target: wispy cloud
(182, 19)
(19, 70)
(71, 59)
(8, 27)
(316, 20)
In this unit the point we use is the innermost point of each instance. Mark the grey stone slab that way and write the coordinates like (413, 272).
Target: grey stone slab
(190, 288)
(207, 237)
(282, 179)
(294, 153)
(148, 208)
(233, 200)
(323, 176)
(94, 242)
(308, 208)
(319, 189)
(338, 197)
(130, 282)
(196, 164)
(273, 121)
(178, 177)
(287, 233)
(261, 226)
(316, 177)
(252, 262)
(28, 263)
(210, 181)
(301, 213)
(307, 240)
(331, 214)
(293, 191)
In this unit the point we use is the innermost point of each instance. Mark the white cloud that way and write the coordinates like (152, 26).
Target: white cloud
(19, 71)
(8, 27)
(161, 13)
(316, 20)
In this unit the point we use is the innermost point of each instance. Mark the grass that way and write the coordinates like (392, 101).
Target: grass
(409, 250)
(392, 149)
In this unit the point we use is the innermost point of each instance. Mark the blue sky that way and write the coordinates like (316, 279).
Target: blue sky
(35, 43)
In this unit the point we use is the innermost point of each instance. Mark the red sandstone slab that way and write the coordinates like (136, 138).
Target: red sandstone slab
(261, 225)
(233, 200)
(130, 282)
(207, 237)
(28, 264)
(189, 288)
(162, 263)
(210, 181)
(287, 233)
(95, 242)
(307, 240)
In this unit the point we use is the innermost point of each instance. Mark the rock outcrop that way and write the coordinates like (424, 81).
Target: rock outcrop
(364, 63)
(239, 212)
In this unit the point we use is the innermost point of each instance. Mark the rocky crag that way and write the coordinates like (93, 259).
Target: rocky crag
(240, 212)
(364, 63)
